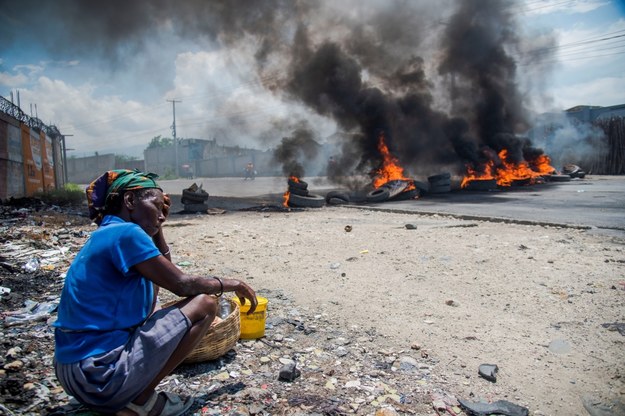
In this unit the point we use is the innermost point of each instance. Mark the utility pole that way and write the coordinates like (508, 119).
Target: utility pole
(65, 157)
(173, 130)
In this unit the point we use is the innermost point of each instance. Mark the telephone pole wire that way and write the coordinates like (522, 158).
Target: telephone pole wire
(173, 130)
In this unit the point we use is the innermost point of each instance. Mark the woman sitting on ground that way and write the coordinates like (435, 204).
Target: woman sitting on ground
(113, 345)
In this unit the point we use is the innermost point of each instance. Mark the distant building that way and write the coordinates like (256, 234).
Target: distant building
(588, 114)
(206, 158)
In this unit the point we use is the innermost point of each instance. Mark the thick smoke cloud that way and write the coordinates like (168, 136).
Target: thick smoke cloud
(437, 79)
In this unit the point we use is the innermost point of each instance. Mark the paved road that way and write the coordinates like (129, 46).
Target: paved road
(595, 202)
(592, 202)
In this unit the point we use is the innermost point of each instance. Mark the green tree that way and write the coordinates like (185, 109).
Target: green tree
(124, 158)
(159, 141)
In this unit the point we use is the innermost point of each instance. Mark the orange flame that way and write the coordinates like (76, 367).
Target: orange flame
(473, 174)
(390, 170)
(287, 194)
(509, 171)
(542, 165)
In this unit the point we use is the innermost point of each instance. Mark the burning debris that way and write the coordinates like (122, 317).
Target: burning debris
(433, 104)
(389, 181)
(503, 170)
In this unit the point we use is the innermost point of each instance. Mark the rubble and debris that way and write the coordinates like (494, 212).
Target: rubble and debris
(597, 407)
(615, 326)
(500, 407)
(32, 311)
(289, 372)
(488, 371)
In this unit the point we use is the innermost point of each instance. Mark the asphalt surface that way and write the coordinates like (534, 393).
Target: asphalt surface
(594, 203)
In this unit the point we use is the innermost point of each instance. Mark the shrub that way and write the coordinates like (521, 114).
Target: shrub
(70, 194)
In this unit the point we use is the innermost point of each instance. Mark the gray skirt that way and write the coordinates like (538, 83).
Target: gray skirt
(108, 382)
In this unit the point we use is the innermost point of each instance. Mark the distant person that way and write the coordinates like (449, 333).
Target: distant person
(332, 168)
(187, 171)
(250, 173)
(113, 345)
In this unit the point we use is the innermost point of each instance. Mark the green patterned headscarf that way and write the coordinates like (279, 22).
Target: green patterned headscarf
(113, 183)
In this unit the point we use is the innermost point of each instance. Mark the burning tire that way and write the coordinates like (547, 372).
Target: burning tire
(298, 191)
(406, 195)
(337, 198)
(300, 184)
(481, 185)
(310, 201)
(560, 178)
(521, 182)
(379, 195)
(395, 187)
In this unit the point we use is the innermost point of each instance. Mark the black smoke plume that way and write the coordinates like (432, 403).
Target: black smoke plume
(438, 79)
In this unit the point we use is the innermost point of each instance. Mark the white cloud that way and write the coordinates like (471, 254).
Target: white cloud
(97, 124)
(533, 7)
(12, 80)
(21, 75)
(603, 92)
(584, 68)
(30, 69)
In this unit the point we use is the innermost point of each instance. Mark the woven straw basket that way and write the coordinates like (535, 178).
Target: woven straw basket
(219, 339)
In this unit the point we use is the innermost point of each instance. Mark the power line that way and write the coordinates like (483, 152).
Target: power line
(585, 51)
(574, 59)
(528, 7)
(576, 44)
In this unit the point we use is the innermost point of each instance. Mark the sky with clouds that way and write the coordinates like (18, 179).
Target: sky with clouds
(109, 80)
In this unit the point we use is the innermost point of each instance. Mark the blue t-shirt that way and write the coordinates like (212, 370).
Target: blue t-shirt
(104, 298)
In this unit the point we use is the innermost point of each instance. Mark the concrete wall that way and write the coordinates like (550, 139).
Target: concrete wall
(30, 160)
(11, 159)
(233, 166)
(85, 169)
(209, 160)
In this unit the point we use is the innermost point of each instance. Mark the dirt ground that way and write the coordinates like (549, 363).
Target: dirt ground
(544, 304)
(384, 310)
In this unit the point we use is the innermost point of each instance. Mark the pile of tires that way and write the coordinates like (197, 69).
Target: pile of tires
(440, 183)
(194, 198)
(300, 197)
